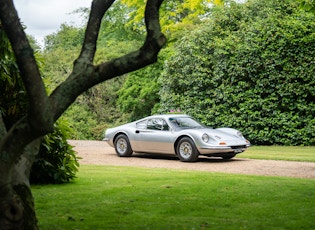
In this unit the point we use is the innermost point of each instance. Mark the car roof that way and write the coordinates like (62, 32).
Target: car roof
(166, 116)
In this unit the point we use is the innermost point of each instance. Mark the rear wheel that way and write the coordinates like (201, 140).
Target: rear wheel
(186, 150)
(122, 146)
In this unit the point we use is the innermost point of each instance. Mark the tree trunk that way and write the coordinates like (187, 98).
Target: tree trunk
(29, 214)
(16, 199)
(12, 209)
(17, 208)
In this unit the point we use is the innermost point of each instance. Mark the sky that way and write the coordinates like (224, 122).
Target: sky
(44, 17)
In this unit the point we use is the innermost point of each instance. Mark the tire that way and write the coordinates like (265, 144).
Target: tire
(186, 150)
(122, 146)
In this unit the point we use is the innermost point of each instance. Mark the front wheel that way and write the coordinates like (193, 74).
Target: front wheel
(122, 146)
(186, 150)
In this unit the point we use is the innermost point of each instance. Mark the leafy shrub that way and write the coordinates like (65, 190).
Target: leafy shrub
(250, 67)
(82, 121)
(57, 161)
(139, 93)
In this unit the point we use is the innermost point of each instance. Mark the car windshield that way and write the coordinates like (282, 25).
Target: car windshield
(185, 122)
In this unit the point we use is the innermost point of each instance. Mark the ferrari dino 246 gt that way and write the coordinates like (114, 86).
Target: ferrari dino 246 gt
(176, 134)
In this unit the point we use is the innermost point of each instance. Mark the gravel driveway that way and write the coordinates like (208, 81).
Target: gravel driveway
(100, 153)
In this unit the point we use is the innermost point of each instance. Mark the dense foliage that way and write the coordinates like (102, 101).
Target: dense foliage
(56, 161)
(96, 109)
(251, 66)
(308, 5)
(13, 102)
(139, 95)
(248, 66)
(130, 97)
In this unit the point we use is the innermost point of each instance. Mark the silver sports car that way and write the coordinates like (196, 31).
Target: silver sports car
(177, 134)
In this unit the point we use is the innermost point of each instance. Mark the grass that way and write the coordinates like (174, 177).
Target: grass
(289, 153)
(105, 197)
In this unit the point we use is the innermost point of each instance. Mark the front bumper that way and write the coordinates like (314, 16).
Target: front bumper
(222, 149)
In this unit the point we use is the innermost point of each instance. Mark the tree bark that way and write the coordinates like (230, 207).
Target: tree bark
(16, 200)
(19, 144)
(17, 208)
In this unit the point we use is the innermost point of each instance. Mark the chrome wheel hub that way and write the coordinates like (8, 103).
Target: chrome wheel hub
(121, 146)
(185, 150)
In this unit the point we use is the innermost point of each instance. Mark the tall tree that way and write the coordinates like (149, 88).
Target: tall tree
(176, 16)
(19, 143)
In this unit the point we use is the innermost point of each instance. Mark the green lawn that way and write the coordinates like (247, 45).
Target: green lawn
(289, 153)
(104, 197)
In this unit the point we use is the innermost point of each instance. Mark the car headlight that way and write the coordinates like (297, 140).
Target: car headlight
(239, 134)
(205, 137)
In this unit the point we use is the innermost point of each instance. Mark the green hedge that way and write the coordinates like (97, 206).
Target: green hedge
(56, 161)
(250, 67)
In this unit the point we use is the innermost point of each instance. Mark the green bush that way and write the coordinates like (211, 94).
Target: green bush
(250, 67)
(139, 96)
(139, 93)
(57, 161)
(82, 121)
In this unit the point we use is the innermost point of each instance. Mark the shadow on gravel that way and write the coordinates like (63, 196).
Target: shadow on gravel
(174, 158)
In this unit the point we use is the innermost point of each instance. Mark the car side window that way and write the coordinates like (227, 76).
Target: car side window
(141, 124)
(157, 124)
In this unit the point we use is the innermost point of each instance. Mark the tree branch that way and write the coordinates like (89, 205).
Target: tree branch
(146, 55)
(85, 76)
(37, 123)
(98, 9)
(29, 71)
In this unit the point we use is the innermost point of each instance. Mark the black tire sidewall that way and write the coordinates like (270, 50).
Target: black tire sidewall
(194, 156)
(128, 151)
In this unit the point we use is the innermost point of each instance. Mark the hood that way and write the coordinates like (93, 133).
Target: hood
(220, 134)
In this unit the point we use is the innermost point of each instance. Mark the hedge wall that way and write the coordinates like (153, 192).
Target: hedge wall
(251, 67)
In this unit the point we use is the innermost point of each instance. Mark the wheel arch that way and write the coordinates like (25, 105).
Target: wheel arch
(180, 137)
(118, 133)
